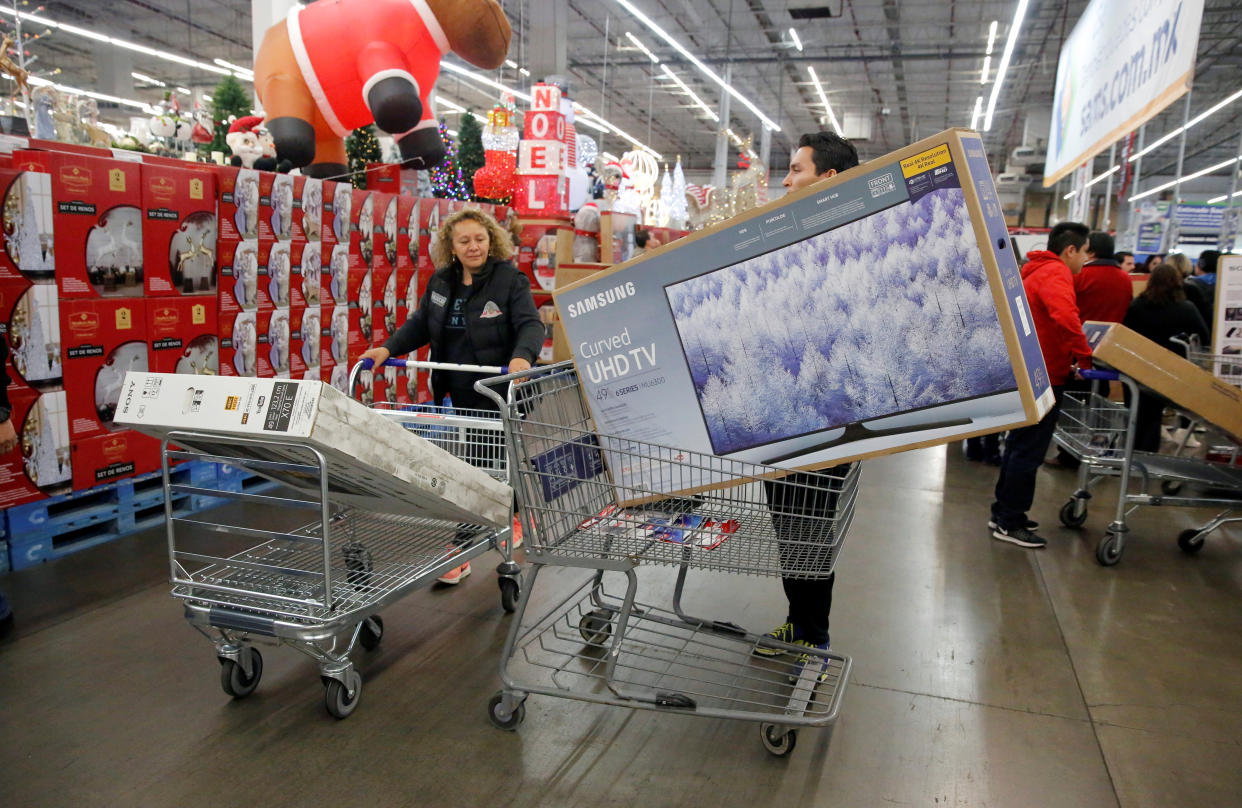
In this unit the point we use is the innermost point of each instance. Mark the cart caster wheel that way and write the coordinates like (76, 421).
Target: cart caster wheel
(233, 679)
(510, 592)
(372, 632)
(336, 695)
(1191, 541)
(1170, 487)
(596, 627)
(1108, 551)
(1070, 517)
(777, 742)
(512, 721)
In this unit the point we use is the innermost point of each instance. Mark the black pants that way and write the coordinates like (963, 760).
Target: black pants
(804, 516)
(1148, 420)
(1024, 453)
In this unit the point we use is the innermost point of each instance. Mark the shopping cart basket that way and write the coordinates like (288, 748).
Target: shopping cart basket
(1101, 434)
(316, 586)
(603, 646)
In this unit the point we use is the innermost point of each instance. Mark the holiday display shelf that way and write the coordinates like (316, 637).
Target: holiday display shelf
(55, 527)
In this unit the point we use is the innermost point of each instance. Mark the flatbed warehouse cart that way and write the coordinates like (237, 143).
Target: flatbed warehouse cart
(318, 587)
(601, 644)
(1100, 433)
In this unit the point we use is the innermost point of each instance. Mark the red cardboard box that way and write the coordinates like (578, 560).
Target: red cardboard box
(243, 281)
(304, 342)
(30, 321)
(101, 341)
(334, 356)
(542, 244)
(307, 277)
(184, 336)
(392, 178)
(27, 231)
(276, 275)
(279, 351)
(334, 284)
(244, 344)
(179, 234)
(32, 160)
(97, 223)
(362, 229)
(241, 192)
(41, 466)
(283, 207)
(342, 212)
(113, 456)
(310, 203)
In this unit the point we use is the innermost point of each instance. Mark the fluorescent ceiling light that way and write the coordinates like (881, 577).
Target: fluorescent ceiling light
(793, 33)
(694, 60)
(693, 95)
(206, 97)
(1070, 195)
(974, 116)
(1108, 173)
(1187, 178)
(987, 65)
(1223, 197)
(470, 74)
(233, 67)
(441, 101)
(510, 63)
(38, 81)
(523, 71)
(1195, 121)
(1014, 29)
(991, 36)
(584, 121)
(148, 79)
(642, 47)
(823, 99)
(184, 91)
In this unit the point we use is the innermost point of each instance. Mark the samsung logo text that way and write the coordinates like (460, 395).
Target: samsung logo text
(601, 299)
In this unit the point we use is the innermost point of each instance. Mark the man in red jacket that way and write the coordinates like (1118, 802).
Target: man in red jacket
(1048, 279)
(1103, 289)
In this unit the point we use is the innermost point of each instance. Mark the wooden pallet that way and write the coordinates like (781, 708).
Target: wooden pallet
(58, 526)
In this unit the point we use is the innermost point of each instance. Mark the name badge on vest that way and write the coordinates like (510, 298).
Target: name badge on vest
(489, 311)
(438, 299)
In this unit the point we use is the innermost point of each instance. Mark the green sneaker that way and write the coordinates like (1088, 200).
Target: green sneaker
(782, 633)
(805, 659)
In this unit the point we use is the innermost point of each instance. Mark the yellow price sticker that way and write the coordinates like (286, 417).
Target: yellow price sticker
(925, 161)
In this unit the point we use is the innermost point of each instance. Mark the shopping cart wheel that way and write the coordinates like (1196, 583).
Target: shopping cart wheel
(596, 627)
(1170, 487)
(510, 591)
(778, 740)
(372, 632)
(1070, 516)
(1190, 540)
(513, 720)
(1108, 551)
(337, 696)
(234, 680)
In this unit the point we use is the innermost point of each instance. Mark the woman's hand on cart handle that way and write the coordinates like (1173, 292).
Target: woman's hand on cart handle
(375, 357)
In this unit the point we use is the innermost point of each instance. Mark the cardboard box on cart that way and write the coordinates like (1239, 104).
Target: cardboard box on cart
(877, 311)
(1153, 366)
(370, 456)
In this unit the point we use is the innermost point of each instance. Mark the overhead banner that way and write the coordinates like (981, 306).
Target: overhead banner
(1124, 62)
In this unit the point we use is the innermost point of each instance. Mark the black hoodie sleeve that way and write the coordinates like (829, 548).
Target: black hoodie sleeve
(413, 333)
(528, 329)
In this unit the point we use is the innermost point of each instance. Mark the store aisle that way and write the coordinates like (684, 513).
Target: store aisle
(984, 675)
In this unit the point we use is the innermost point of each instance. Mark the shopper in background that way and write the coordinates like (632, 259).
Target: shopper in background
(643, 241)
(477, 310)
(1151, 263)
(1048, 278)
(1102, 289)
(804, 512)
(8, 443)
(1125, 260)
(1204, 283)
(1160, 313)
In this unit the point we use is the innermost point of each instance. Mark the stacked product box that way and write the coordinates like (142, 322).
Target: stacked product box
(244, 298)
(385, 242)
(338, 200)
(401, 386)
(30, 323)
(179, 231)
(307, 258)
(98, 229)
(542, 245)
(359, 292)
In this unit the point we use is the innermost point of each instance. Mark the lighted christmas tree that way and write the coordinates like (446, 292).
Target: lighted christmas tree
(229, 100)
(677, 210)
(470, 157)
(362, 147)
(446, 179)
(666, 198)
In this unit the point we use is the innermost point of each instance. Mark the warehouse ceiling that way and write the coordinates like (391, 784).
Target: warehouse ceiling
(893, 70)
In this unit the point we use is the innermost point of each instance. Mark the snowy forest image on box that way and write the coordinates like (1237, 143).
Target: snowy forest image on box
(883, 315)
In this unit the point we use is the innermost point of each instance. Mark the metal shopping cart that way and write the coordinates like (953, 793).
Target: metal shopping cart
(602, 645)
(318, 586)
(1101, 433)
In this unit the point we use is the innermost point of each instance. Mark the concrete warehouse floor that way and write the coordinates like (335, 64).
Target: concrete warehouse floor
(984, 674)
